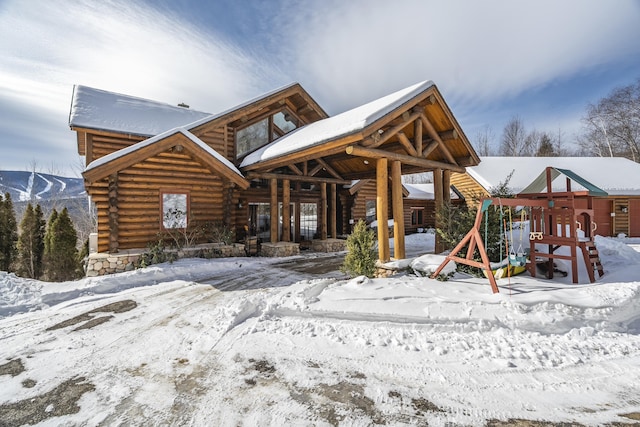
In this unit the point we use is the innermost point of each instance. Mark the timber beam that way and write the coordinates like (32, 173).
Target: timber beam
(257, 175)
(328, 168)
(377, 139)
(434, 135)
(374, 153)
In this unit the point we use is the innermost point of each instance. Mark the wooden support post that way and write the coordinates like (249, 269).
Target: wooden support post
(114, 214)
(446, 186)
(439, 202)
(273, 183)
(227, 201)
(323, 211)
(334, 226)
(417, 130)
(398, 210)
(286, 211)
(382, 208)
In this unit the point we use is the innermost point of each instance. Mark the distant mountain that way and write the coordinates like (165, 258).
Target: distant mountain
(40, 187)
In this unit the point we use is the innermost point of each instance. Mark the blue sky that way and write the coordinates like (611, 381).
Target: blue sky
(543, 60)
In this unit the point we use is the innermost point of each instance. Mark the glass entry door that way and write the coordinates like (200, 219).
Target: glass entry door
(260, 221)
(292, 222)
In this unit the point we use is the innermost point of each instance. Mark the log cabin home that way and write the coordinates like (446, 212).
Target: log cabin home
(276, 167)
(616, 208)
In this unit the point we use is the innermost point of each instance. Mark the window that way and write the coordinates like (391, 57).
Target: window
(263, 132)
(260, 220)
(174, 210)
(252, 137)
(370, 208)
(284, 122)
(417, 216)
(308, 220)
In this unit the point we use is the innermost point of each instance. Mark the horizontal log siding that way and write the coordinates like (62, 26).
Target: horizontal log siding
(221, 140)
(468, 186)
(103, 145)
(139, 198)
(367, 192)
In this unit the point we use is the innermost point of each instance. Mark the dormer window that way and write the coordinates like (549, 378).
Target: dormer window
(262, 132)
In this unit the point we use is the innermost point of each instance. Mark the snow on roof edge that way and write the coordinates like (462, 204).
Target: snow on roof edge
(337, 126)
(135, 147)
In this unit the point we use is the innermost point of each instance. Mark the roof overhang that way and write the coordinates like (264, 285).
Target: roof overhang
(418, 130)
(179, 139)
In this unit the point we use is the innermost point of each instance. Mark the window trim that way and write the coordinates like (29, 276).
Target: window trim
(271, 129)
(184, 192)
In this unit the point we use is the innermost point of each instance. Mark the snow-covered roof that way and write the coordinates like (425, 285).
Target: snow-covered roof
(335, 127)
(615, 175)
(135, 147)
(423, 192)
(99, 109)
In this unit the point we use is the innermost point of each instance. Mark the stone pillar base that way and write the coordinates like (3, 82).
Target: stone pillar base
(280, 249)
(329, 245)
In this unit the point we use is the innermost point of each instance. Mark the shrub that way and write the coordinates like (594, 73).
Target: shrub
(361, 256)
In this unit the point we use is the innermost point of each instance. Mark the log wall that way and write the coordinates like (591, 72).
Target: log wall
(135, 218)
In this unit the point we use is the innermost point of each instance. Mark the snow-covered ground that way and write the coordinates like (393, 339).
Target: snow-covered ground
(244, 342)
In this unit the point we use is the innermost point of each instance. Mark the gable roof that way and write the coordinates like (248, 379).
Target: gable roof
(135, 153)
(108, 111)
(540, 183)
(424, 192)
(413, 126)
(336, 127)
(614, 175)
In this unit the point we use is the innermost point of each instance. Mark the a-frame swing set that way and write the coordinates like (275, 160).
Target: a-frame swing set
(554, 219)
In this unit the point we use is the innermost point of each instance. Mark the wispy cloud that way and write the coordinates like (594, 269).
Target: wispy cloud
(116, 45)
(476, 51)
(344, 53)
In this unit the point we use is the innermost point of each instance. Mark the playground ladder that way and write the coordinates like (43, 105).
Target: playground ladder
(591, 259)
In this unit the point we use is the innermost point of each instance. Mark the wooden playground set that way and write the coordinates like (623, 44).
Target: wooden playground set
(556, 219)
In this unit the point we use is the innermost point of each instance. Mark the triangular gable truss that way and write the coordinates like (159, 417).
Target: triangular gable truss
(177, 139)
(406, 134)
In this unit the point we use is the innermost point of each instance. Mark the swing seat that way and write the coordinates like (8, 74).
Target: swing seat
(517, 260)
(505, 269)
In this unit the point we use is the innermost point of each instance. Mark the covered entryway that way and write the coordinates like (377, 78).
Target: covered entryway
(409, 131)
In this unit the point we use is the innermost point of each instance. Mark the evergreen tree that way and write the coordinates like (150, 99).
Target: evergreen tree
(546, 148)
(31, 243)
(62, 249)
(8, 233)
(456, 221)
(361, 256)
(48, 256)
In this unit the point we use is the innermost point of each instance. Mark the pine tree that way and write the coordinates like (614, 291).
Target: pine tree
(62, 252)
(8, 233)
(48, 258)
(31, 243)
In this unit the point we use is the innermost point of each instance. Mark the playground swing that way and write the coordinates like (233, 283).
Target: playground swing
(535, 234)
(517, 258)
(514, 262)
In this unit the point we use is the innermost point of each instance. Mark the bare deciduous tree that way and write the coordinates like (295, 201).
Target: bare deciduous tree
(513, 138)
(485, 139)
(611, 127)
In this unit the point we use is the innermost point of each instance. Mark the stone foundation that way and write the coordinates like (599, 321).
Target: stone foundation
(280, 249)
(329, 245)
(100, 264)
